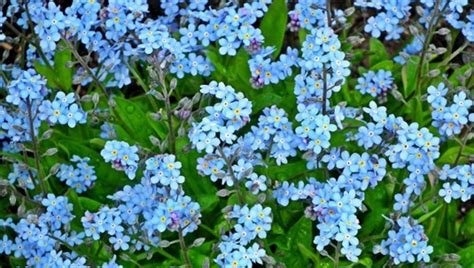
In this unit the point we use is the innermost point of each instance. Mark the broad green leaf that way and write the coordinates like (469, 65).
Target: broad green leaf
(273, 25)
(62, 57)
(467, 256)
(134, 120)
(89, 204)
(60, 75)
(448, 156)
(48, 73)
(299, 236)
(265, 100)
(453, 78)
(196, 185)
(409, 75)
(378, 52)
(383, 65)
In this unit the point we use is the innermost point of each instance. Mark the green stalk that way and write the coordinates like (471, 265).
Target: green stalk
(184, 248)
(35, 149)
(431, 25)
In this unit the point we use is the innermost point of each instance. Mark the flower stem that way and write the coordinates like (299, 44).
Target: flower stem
(426, 43)
(336, 255)
(236, 182)
(35, 148)
(84, 65)
(184, 248)
(325, 89)
(463, 145)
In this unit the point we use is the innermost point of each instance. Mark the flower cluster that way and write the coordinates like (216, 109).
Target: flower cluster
(235, 247)
(147, 209)
(375, 83)
(391, 15)
(164, 169)
(314, 130)
(406, 242)
(62, 110)
(334, 204)
(388, 19)
(25, 93)
(81, 177)
(323, 61)
(26, 88)
(264, 71)
(412, 48)
(223, 119)
(122, 156)
(115, 33)
(459, 182)
(333, 207)
(452, 12)
(107, 131)
(38, 236)
(273, 133)
(406, 146)
(449, 119)
(22, 175)
(26, 107)
(311, 14)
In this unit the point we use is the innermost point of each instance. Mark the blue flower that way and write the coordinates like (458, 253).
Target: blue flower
(122, 156)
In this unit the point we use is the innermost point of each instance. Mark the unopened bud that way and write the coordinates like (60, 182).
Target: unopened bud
(173, 84)
(47, 134)
(95, 99)
(443, 31)
(154, 140)
(434, 73)
(164, 244)
(349, 11)
(50, 152)
(54, 169)
(223, 193)
(198, 242)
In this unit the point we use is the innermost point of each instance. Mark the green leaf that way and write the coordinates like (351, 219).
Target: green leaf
(467, 227)
(299, 240)
(89, 204)
(273, 25)
(48, 73)
(135, 121)
(378, 52)
(409, 75)
(429, 214)
(367, 262)
(198, 186)
(453, 78)
(60, 75)
(265, 100)
(308, 253)
(302, 33)
(62, 57)
(467, 255)
(448, 156)
(383, 65)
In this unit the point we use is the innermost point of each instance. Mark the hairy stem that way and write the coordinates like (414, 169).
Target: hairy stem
(429, 35)
(336, 255)
(35, 148)
(325, 89)
(84, 65)
(463, 145)
(184, 248)
(236, 182)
